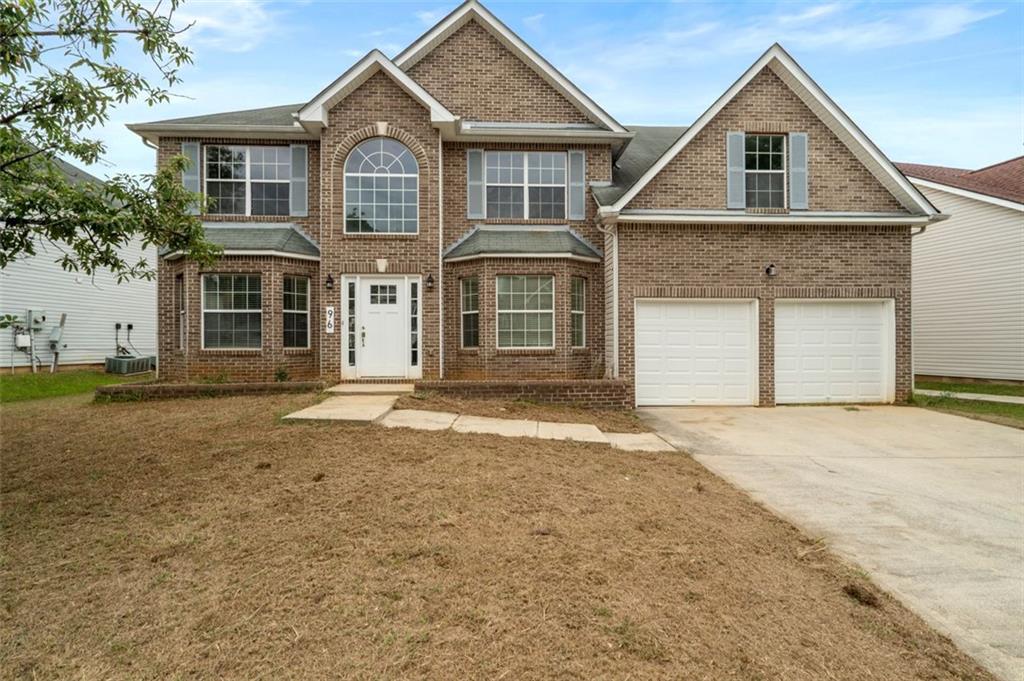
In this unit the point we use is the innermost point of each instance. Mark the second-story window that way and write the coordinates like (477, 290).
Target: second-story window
(525, 185)
(381, 188)
(248, 180)
(765, 161)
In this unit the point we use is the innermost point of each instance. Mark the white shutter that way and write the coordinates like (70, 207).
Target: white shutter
(190, 176)
(736, 182)
(577, 184)
(475, 183)
(798, 170)
(299, 194)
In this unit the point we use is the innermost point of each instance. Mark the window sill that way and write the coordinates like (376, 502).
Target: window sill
(523, 221)
(580, 351)
(380, 235)
(228, 352)
(233, 217)
(298, 351)
(469, 351)
(767, 211)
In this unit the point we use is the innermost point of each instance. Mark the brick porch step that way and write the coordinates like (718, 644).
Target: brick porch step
(371, 389)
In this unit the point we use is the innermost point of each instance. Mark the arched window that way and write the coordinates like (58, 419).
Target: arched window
(381, 188)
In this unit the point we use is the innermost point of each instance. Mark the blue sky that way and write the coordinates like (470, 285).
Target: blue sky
(930, 82)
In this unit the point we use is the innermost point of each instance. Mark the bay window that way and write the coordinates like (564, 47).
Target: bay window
(526, 311)
(470, 312)
(296, 312)
(232, 311)
(578, 306)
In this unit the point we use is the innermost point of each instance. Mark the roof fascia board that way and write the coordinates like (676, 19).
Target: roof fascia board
(549, 256)
(253, 253)
(314, 113)
(461, 133)
(473, 9)
(966, 193)
(775, 54)
(154, 131)
(741, 218)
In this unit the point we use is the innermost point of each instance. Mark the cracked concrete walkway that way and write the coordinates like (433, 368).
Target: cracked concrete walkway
(365, 408)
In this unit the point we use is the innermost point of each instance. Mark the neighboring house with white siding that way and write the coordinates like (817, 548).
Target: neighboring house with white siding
(968, 273)
(93, 304)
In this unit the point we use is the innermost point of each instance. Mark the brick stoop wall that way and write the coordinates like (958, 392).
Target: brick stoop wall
(594, 393)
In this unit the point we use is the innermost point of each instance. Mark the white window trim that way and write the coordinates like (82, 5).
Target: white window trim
(525, 184)
(284, 309)
(248, 177)
(463, 313)
(573, 313)
(344, 193)
(498, 312)
(203, 310)
(784, 171)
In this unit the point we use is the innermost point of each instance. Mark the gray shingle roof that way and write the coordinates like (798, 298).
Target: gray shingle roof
(522, 240)
(283, 237)
(270, 115)
(650, 142)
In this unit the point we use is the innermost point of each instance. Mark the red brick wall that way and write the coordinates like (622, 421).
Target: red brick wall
(477, 78)
(595, 393)
(193, 363)
(696, 178)
(488, 361)
(728, 261)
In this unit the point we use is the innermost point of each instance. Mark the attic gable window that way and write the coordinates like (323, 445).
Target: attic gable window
(525, 185)
(765, 162)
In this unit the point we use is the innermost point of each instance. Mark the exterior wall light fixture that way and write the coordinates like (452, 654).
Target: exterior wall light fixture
(771, 270)
(329, 284)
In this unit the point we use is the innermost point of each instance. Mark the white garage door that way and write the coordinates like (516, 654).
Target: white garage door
(833, 351)
(696, 352)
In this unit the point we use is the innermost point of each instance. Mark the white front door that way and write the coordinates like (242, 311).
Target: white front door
(382, 337)
(693, 352)
(834, 351)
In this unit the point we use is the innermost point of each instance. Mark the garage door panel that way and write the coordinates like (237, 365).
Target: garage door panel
(832, 351)
(695, 352)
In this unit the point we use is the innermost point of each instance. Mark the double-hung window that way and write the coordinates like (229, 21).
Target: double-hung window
(179, 301)
(765, 163)
(526, 311)
(525, 185)
(470, 312)
(248, 180)
(579, 312)
(296, 312)
(232, 311)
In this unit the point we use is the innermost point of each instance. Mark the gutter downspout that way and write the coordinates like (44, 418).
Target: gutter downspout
(440, 255)
(614, 234)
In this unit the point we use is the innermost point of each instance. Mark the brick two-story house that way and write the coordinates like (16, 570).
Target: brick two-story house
(463, 212)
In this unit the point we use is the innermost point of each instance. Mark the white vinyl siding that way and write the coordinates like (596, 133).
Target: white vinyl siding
(696, 352)
(834, 351)
(968, 279)
(93, 305)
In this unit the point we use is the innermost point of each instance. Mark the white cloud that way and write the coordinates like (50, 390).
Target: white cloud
(228, 25)
(533, 21)
(431, 17)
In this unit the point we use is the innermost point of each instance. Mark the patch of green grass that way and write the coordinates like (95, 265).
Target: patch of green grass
(18, 387)
(997, 412)
(978, 388)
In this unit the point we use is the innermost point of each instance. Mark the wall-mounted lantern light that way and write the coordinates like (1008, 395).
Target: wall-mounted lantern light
(329, 283)
(771, 270)
(430, 282)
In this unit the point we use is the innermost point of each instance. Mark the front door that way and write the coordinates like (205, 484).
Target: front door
(381, 335)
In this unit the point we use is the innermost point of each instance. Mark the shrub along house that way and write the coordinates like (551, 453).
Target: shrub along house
(463, 212)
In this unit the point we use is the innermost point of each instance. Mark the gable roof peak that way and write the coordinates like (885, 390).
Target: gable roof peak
(473, 10)
(313, 114)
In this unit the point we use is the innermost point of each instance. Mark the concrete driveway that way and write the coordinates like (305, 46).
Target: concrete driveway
(931, 505)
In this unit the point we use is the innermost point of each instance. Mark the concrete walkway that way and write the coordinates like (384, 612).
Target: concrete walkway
(930, 504)
(979, 397)
(365, 407)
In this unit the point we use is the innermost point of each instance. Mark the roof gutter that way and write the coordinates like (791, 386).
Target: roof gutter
(174, 255)
(609, 216)
(152, 132)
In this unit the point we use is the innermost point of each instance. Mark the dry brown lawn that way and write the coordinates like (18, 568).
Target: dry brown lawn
(608, 420)
(204, 538)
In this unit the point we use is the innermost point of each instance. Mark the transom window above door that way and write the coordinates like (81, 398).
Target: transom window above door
(381, 188)
(765, 163)
(525, 185)
(243, 180)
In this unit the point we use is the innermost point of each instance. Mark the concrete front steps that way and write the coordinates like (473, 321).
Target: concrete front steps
(360, 388)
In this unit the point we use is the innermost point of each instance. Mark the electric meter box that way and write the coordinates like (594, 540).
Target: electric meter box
(34, 319)
(22, 341)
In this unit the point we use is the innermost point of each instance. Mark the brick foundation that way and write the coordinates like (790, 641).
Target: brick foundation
(595, 393)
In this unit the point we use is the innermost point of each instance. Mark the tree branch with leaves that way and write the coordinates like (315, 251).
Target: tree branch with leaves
(60, 78)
